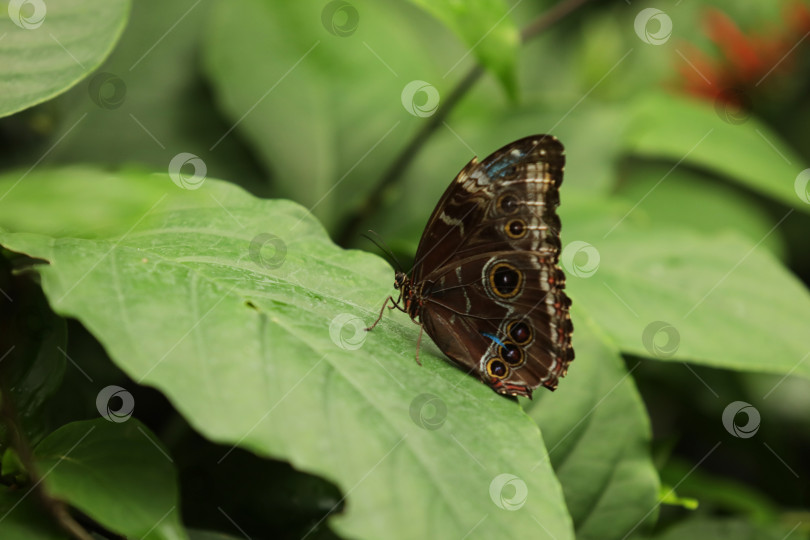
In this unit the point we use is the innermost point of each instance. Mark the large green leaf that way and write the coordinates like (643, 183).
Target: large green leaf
(249, 319)
(486, 29)
(718, 300)
(298, 80)
(35, 202)
(667, 126)
(662, 193)
(47, 47)
(145, 93)
(598, 433)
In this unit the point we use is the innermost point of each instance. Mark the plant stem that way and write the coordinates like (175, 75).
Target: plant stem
(550, 18)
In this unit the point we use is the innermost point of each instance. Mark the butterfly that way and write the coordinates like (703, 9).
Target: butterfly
(486, 285)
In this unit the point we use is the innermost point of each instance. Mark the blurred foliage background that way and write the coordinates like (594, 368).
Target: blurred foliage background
(692, 118)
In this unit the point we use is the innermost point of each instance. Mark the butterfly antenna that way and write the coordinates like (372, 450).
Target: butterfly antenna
(384, 248)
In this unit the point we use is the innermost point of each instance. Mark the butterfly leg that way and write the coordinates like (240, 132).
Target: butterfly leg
(419, 343)
(382, 310)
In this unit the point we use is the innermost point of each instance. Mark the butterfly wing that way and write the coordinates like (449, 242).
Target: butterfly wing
(524, 177)
(490, 289)
(504, 316)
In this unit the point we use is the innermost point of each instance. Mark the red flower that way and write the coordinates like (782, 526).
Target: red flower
(747, 59)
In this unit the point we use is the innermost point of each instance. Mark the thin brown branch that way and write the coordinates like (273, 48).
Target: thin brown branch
(550, 18)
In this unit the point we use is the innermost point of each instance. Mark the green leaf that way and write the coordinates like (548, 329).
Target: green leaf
(675, 295)
(294, 78)
(47, 47)
(35, 202)
(42, 371)
(662, 193)
(667, 126)
(11, 465)
(253, 320)
(116, 473)
(598, 434)
(146, 94)
(486, 28)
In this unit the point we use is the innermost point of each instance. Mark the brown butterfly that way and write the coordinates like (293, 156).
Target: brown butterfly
(486, 285)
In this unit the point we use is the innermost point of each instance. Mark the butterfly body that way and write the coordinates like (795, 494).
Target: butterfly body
(486, 286)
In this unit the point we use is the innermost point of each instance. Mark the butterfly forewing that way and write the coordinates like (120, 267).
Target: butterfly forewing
(521, 178)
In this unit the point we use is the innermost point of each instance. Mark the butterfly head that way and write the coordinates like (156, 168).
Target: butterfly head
(400, 280)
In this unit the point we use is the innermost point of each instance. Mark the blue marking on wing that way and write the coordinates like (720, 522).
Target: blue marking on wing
(494, 170)
(494, 338)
